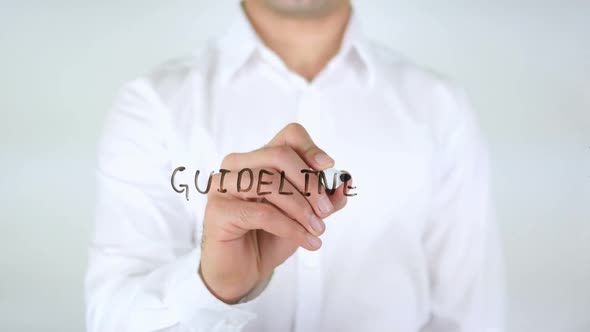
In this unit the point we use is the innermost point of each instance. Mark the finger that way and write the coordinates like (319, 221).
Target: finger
(297, 172)
(295, 136)
(339, 199)
(236, 217)
(253, 184)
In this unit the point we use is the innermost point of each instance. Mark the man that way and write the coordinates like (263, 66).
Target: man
(414, 250)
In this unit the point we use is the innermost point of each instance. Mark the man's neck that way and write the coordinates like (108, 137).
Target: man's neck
(306, 45)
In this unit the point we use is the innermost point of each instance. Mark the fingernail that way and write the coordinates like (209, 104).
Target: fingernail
(325, 205)
(317, 224)
(323, 159)
(313, 241)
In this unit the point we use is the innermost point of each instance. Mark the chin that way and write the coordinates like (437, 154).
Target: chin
(303, 7)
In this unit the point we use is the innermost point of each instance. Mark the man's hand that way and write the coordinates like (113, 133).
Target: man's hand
(246, 236)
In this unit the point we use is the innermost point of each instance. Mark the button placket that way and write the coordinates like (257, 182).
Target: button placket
(309, 272)
(308, 111)
(309, 300)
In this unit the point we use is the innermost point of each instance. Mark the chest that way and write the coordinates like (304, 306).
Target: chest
(372, 256)
(366, 132)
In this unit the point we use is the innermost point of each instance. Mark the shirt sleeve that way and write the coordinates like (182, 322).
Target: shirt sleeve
(461, 238)
(144, 255)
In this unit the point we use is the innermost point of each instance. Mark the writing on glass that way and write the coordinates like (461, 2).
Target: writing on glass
(246, 182)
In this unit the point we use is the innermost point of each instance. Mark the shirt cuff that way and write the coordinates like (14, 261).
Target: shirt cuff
(194, 304)
(256, 291)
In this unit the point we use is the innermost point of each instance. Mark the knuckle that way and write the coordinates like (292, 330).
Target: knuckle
(281, 152)
(229, 159)
(294, 127)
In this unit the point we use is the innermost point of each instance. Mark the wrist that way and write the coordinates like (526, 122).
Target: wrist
(227, 290)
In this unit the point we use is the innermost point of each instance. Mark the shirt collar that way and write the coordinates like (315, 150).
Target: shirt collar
(240, 42)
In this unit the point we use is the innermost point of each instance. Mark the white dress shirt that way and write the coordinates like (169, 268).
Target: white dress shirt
(415, 250)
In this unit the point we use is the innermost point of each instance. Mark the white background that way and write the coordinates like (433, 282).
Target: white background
(525, 64)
